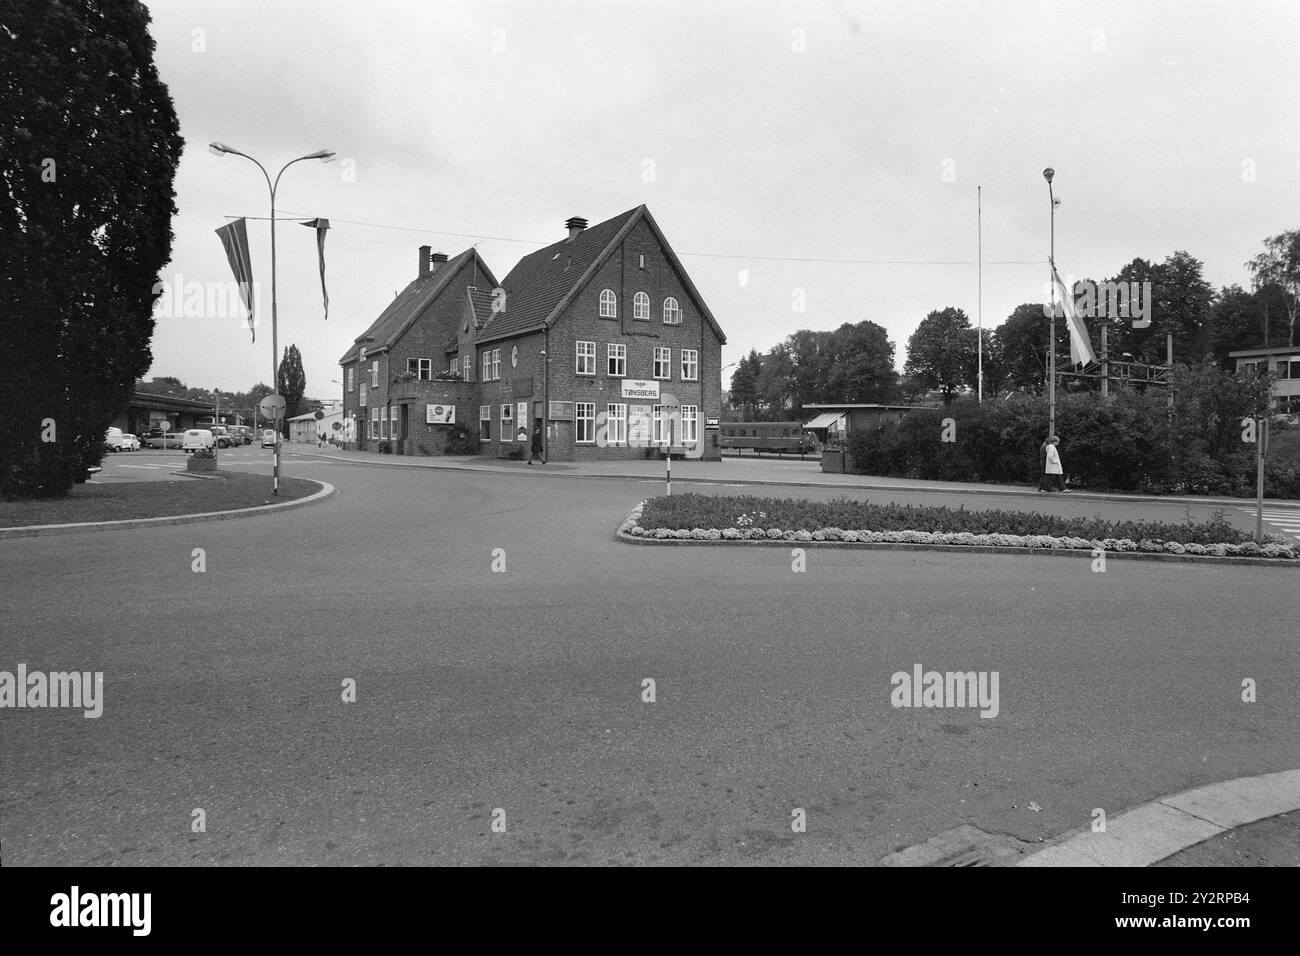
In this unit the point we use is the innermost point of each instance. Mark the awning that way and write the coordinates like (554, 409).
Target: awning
(826, 420)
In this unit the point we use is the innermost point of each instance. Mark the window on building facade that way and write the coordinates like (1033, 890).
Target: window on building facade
(584, 422)
(467, 368)
(690, 424)
(485, 423)
(374, 374)
(672, 312)
(374, 422)
(383, 422)
(420, 368)
(616, 424)
(507, 423)
(585, 358)
(690, 365)
(365, 395)
(659, 426)
(641, 306)
(663, 363)
(487, 365)
(608, 304)
(352, 379)
(496, 364)
(616, 363)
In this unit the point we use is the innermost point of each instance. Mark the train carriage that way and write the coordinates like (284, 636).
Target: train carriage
(777, 437)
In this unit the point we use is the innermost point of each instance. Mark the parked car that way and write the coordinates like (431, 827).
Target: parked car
(242, 432)
(225, 439)
(268, 438)
(163, 440)
(196, 438)
(129, 442)
(113, 439)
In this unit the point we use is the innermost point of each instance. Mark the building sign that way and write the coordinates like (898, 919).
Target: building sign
(639, 388)
(711, 424)
(440, 414)
(561, 411)
(521, 387)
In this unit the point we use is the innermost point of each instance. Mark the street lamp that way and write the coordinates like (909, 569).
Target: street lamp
(1048, 174)
(325, 156)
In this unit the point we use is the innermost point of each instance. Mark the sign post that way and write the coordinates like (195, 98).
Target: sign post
(272, 407)
(1261, 432)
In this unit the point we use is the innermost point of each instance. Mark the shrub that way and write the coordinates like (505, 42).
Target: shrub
(463, 440)
(385, 448)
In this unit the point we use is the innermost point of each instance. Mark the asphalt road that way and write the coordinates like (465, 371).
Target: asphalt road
(522, 690)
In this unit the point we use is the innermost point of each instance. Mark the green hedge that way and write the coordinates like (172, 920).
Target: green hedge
(1125, 443)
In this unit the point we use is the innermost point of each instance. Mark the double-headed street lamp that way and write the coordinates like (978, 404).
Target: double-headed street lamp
(1048, 174)
(325, 156)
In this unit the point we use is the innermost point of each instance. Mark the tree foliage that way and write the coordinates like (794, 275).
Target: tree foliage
(89, 144)
(293, 383)
(941, 353)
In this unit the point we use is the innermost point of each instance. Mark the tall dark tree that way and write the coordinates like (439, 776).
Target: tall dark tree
(1279, 265)
(861, 365)
(1246, 320)
(293, 382)
(941, 352)
(89, 144)
(744, 385)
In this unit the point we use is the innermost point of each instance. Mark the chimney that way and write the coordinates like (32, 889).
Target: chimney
(575, 225)
(424, 261)
(438, 259)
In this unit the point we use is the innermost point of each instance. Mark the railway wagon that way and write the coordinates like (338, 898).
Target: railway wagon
(778, 437)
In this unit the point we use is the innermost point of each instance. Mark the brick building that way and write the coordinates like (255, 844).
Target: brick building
(599, 342)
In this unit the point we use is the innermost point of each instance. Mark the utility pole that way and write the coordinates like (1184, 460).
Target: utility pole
(1048, 174)
(979, 301)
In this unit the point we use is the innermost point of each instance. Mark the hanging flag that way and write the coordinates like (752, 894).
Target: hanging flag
(234, 236)
(320, 225)
(1081, 352)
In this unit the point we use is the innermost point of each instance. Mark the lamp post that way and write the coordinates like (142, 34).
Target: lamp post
(1051, 335)
(325, 156)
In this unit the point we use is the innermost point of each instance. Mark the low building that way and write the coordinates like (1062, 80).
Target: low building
(146, 412)
(306, 428)
(832, 423)
(1284, 363)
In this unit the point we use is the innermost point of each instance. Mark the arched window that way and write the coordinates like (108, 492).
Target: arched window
(608, 305)
(672, 312)
(641, 306)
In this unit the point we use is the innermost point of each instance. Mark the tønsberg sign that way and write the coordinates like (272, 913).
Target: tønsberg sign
(639, 388)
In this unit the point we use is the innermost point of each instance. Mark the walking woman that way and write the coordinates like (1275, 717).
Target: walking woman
(1054, 474)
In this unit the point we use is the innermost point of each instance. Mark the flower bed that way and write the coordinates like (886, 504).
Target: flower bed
(743, 518)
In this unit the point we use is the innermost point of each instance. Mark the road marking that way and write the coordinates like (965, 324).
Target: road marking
(1286, 521)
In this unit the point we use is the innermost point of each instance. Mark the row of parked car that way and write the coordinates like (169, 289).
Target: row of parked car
(192, 439)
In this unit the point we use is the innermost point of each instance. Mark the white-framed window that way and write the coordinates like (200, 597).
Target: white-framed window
(608, 304)
(421, 368)
(396, 413)
(584, 422)
(487, 365)
(616, 360)
(374, 374)
(467, 367)
(690, 424)
(485, 423)
(496, 364)
(383, 422)
(663, 363)
(616, 424)
(374, 422)
(641, 261)
(672, 312)
(365, 395)
(690, 365)
(659, 430)
(507, 423)
(352, 379)
(641, 306)
(584, 358)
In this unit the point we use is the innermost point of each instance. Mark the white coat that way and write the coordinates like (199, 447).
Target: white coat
(1053, 460)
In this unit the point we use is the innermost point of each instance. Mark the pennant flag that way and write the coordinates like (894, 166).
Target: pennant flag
(320, 226)
(1081, 352)
(234, 236)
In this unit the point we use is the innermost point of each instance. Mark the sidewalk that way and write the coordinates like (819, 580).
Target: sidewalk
(749, 471)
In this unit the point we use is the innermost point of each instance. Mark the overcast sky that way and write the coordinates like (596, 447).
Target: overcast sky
(772, 142)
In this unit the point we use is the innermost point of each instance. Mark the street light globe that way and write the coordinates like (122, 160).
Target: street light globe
(218, 149)
(1048, 173)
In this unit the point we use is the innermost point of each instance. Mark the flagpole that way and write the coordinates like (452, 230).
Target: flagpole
(979, 301)
(1051, 334)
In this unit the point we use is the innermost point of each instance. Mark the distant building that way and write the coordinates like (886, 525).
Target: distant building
(831, 423)
(1284, 363)
(601, 342)
(146, 412)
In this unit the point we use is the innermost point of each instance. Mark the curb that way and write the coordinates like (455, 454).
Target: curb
(1005, 492)
(968, 548)
(1153, 831)
(47, 530)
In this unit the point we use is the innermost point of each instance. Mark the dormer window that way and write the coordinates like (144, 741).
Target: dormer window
(608, 304)
(641, 306)
(672, 312)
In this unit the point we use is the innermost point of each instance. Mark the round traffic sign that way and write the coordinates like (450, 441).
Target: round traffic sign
(272, 406)
(165, 425)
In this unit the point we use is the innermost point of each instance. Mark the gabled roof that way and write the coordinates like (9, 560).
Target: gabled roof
(410, 302)
(544, 282)
(480, 303)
